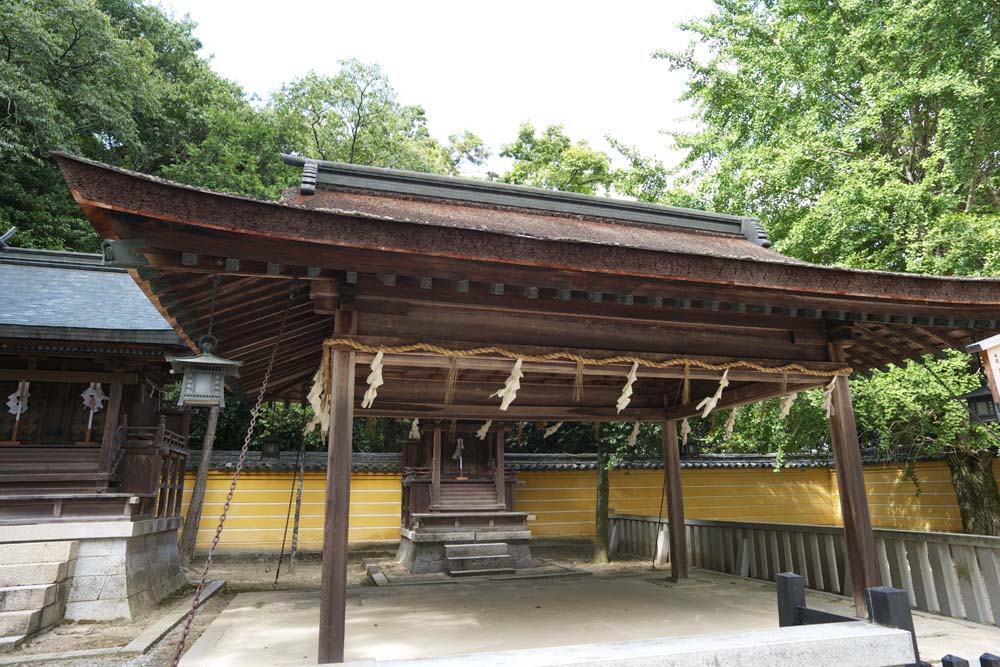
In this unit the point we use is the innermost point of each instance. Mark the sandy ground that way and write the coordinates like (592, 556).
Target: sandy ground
(630, 595)
(246, 573)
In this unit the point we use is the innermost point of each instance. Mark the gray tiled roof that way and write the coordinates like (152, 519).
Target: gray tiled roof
(71, 296)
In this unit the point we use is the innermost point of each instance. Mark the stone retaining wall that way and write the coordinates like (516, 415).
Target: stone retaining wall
(121, 567)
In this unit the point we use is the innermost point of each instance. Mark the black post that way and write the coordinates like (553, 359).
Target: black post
(989, 660)
(791, 596)
(954, 661)
(890, 607)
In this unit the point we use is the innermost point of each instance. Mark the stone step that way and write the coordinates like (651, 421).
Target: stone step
(22, 598)
(19, 553)
(19, 622)
(8, 644)
(28, 574)
(478, 549)
(481, 573)
(478, 563)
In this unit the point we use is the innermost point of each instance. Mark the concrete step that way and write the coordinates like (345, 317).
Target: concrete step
(477, 549)
(22, 598)
(8, 644)
(478, 563)
(481, 573)
(29, 574)
(19, 622)
(19, 553)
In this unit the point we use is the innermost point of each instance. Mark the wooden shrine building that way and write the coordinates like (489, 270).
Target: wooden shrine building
(91, 456)
(458, 513)
(451, 299)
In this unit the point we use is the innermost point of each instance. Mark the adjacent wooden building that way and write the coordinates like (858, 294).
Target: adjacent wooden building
(448, 291)
(91, 455)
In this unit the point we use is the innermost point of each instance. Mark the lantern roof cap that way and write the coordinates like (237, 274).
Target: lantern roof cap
(983, 390)
(205, 359)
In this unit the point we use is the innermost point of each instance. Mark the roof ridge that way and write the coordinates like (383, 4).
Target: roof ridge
(477, 191)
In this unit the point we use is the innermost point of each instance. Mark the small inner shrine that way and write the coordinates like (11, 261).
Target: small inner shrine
(458, 511)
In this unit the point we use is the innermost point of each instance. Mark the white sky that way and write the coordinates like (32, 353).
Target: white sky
(481, 66)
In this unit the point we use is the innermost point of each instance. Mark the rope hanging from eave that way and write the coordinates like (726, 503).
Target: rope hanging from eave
(589, 361)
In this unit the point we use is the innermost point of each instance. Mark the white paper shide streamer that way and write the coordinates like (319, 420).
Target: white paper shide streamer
(414, 430)
(510, 386)
(634, 435)
(374, 381)
(93, 399)
(17, 403)
(685, 431)
(319, 398)
(708, 403)
(552, 429)
(484, 429)
(626, 396)
(828, 397)
(786, 404)
(730, 423)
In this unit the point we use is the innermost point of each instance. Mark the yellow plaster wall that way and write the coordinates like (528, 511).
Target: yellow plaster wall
(895, 502)
(563, 501)
(256, 520)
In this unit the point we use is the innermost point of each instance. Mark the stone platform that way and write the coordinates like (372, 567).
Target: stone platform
(422, 547)
(118, 569)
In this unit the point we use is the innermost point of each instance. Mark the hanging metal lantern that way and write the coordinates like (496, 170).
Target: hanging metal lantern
(983, 401)
(204, 375)
(981, 405)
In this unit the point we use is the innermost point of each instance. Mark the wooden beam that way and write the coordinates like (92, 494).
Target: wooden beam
(941, 339)
(401, 410)
(81, 377)
(333, 586)
(854, 508)
(436, 467)
(894, 332)
(111, 418)
(544, 301)
(675, 502)
(498, 472)
(743, 395)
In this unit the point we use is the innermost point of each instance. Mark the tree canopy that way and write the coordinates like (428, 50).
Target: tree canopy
(862, 135)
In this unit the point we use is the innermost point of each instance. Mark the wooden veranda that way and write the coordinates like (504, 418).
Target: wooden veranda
(583, 290)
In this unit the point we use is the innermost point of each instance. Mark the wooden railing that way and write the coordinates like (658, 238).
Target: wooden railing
(946, 573)
(152, 467)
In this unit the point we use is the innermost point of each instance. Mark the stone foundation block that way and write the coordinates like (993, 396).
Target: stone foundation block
(37, 552)
(29, 574)
(19, 622)
(25, 598)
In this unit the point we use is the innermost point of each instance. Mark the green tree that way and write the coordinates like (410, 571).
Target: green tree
(862, 135)
(356, 117)
(120, 82)
(554, 161)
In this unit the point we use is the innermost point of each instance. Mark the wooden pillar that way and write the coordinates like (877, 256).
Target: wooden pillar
(111, 418)
(436, 468)
(333, 585)
(675, 502)
(498, 473)
(853, 497)
(189, 534)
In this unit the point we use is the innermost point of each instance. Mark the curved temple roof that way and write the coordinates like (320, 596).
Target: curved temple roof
(460, 262)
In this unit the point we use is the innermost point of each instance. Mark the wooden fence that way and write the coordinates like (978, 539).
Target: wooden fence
(946, 573)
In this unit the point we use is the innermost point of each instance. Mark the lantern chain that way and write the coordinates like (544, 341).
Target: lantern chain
(196, 604)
